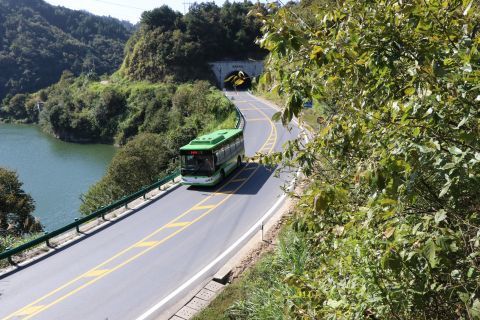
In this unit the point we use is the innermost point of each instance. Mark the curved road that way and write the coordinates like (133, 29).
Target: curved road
(128, 267)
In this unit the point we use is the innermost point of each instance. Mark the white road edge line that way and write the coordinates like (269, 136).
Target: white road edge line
(207, 268)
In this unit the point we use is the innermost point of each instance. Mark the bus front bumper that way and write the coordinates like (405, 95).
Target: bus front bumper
(201, 181)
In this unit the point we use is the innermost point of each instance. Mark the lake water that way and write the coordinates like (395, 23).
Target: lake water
(53, 172)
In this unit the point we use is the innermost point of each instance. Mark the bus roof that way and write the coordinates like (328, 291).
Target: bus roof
(211, 140)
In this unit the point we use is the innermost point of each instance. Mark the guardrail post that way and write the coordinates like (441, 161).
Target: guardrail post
(48, 240)
(10, 260)
(77, 227)
(261, 228)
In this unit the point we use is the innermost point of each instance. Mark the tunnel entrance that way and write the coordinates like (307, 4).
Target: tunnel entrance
(237, 80)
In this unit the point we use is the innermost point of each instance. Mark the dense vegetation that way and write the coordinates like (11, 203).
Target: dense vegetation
(115, 110)
(16, 209)
(170, 45)
(389, 226)
(174, 116)
(39, 41)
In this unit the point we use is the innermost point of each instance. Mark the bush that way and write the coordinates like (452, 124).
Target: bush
(391, 218)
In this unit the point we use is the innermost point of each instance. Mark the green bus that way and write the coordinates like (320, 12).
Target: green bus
(206, 160)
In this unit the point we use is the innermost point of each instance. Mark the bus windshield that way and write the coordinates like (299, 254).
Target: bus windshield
(197, 165)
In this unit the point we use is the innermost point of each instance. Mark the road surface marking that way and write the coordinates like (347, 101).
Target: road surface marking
(119, 254)
(28, 311)
(95, 273)
(238, 180)
(146, 244)
(254, 109)
(178, 224)
(205, 207)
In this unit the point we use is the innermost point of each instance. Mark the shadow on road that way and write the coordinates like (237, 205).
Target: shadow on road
(234, 180)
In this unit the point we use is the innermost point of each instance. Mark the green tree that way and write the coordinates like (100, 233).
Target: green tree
(16, 207)
(141, 162)
(163, 17)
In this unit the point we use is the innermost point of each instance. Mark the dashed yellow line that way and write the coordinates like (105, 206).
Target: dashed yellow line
(178, 224)
(146, 244)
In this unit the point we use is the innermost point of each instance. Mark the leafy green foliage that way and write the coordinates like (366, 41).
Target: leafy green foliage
(391, 218)
(171, 46)
(40, 41)
(16, 207)
(116, 110)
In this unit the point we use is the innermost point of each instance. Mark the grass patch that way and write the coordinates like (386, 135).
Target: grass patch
(13, 242)
(227, 123)
(237, 291)
(260, 292)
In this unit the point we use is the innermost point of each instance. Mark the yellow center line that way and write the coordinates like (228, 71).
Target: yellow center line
(178, 224)
(33, 309)
(96, 273)
(146, 244)
(273, 133)
(206, 207)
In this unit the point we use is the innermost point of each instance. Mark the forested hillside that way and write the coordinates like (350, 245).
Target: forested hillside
(177, 47)
(39, 41)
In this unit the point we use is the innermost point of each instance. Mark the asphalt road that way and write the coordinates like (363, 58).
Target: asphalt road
(128, 267)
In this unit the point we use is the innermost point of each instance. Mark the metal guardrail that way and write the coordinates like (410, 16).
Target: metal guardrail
(9, 253)
(240, 119)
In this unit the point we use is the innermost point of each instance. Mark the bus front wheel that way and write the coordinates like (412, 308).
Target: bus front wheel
(239, 162)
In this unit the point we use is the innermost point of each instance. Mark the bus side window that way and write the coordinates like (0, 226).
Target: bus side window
(219, 155)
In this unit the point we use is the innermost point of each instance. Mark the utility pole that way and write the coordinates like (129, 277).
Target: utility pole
(187, 5)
